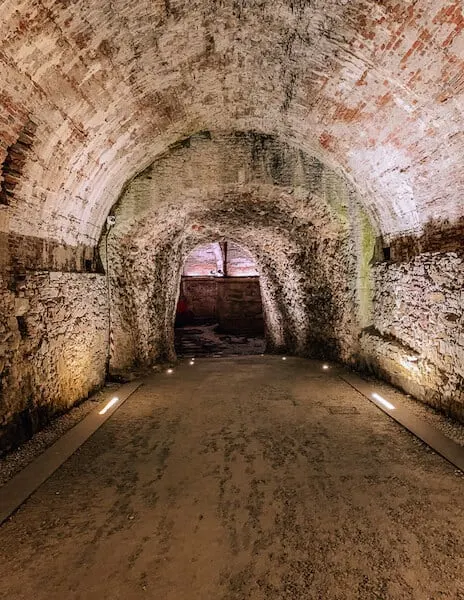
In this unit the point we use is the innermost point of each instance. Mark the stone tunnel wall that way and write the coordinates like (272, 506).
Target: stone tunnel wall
(417, 338)
(53, 336)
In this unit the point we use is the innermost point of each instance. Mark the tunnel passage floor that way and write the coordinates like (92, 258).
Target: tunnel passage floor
(205, 340)
(244, 478)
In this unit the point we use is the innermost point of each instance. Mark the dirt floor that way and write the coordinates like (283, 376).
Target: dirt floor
(236, 479)
(205, 340)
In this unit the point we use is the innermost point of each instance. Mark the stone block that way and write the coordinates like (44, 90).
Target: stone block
(21, 306)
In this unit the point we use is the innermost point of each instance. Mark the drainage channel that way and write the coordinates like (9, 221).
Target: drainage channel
(440, 443)
(25, 483)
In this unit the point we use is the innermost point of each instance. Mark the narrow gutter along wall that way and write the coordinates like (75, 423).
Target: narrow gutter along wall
(53, 337)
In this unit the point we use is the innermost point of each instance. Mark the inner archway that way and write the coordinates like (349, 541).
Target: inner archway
(302, 223)
(219, 310)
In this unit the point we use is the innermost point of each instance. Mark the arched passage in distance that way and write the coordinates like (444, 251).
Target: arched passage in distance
(219, 309)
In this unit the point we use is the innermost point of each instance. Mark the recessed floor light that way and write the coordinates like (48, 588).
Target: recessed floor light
(111, 403)
(169, 371)
(383, 402)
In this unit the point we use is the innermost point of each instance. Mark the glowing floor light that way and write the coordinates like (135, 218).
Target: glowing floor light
(111, 403)
(325, 367)
(192, 362)
(284, 358)
(383, 402)
(170, 371)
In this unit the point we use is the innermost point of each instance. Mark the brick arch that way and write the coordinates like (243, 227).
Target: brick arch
(111, 87)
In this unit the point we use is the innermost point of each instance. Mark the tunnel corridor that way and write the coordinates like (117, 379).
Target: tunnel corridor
(215, 198)
(219, 311)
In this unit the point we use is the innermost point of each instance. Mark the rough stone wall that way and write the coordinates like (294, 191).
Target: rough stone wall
(417, 338)
(53, 346)
(234, 301)
(19, 253)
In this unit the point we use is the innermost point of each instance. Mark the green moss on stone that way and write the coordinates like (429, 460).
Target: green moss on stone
(367, 247)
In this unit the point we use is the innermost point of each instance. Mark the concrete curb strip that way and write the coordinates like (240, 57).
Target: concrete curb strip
(447, 448)
(25, 483)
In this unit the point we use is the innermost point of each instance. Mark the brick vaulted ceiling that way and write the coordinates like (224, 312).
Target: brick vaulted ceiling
(373, 89)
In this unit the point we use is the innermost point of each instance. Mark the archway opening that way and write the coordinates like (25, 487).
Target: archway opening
(219, 310)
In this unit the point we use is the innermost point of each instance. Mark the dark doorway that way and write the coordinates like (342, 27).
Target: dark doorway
(219, 311)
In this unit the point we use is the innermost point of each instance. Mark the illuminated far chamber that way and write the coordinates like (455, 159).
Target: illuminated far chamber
(383, 402)
(111, 403)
